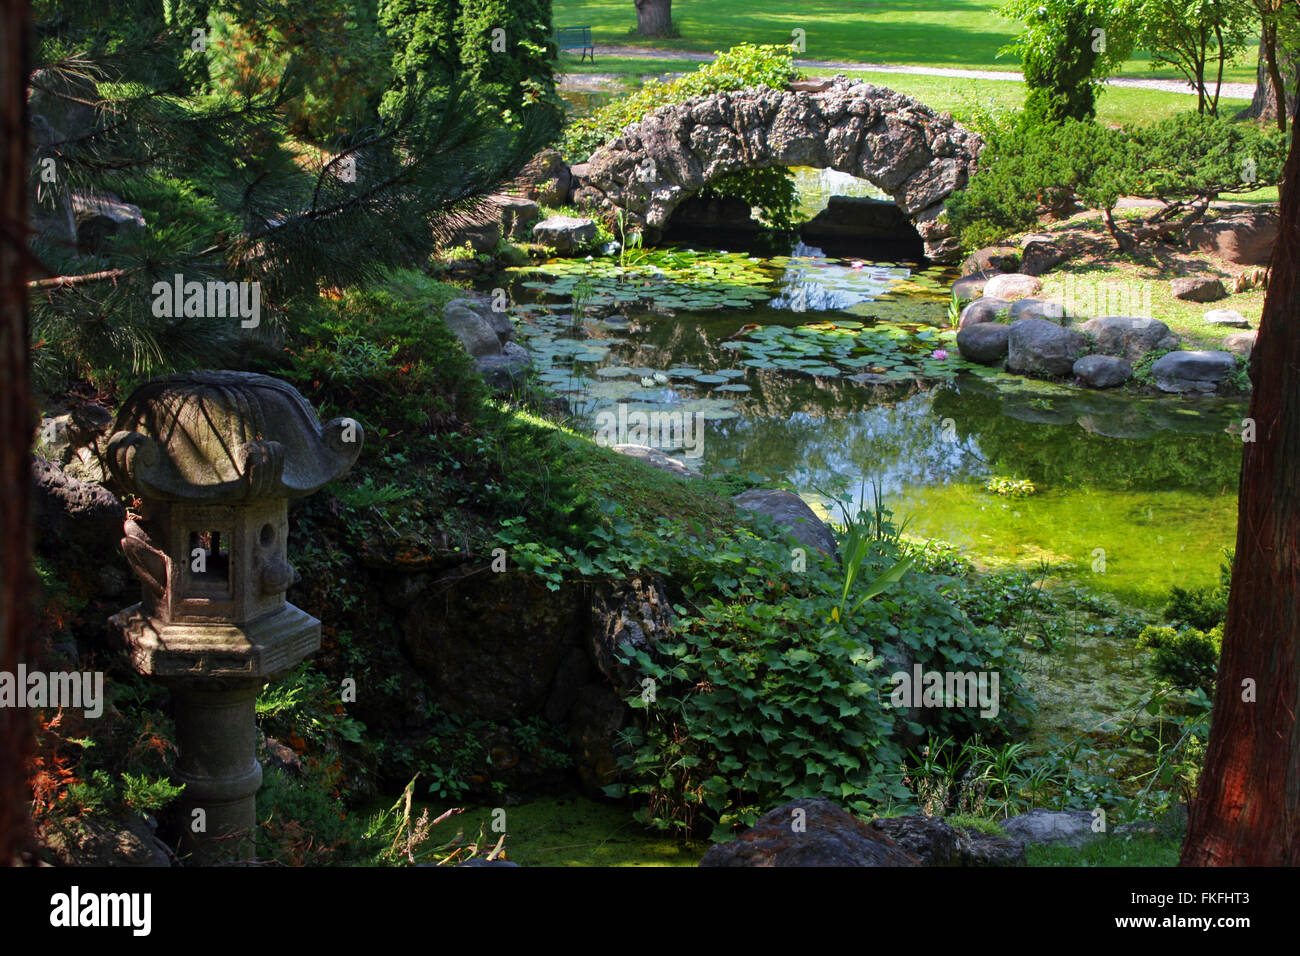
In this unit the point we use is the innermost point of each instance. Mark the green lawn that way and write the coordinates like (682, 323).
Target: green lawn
(1116, 105)
(949, 33)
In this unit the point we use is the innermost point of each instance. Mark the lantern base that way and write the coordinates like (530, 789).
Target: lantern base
(219, 654)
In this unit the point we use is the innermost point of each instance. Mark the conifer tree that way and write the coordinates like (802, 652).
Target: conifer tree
(126, 105)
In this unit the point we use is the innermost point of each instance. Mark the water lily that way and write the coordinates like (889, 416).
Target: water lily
(939, 354)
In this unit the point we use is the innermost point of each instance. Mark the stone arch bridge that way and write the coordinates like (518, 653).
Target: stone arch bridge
(917, 156)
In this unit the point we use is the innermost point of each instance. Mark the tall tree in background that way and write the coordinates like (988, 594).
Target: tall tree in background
(506, 51)
(1066, 49)
(1281, 74)
(500, 50)
(1247, 808)
(16, 423)
(654, 18)
(1278, 72)
(1198, 38)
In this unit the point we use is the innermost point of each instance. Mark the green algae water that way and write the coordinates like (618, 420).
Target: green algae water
(566, 829)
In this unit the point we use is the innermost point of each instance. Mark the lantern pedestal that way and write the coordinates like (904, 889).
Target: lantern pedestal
(215, 673)
(215, 732)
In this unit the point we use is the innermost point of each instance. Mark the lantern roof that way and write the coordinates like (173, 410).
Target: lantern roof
(217, 437)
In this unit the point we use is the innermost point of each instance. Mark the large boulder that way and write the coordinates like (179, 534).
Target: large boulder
(65, 99)
(577, 179)
(992, 259)
(1102, 371)
(657, 459)
(1240, 343)
(566, 234)
(813, 832)
(1047, 827)
(595, 721)
(983, 309)
(516, 215)
(546, 178)
(482, 306)
(1037, 309)
(492, 644)
(972, 286)
(626, 617)
(789, 510)
(72, 517)
(1128, 336)
(1039, 347)
(507, 370)
(1013, 285)
(123, 840)
(1229, 318)
(49, 205)
(77, 442)
(1199, 371)
(934, 842)
(61, 112)
(931, 840)
(985, 342)
(481, 237)
(1244, 238)
(634, 615)
(1197, 289)
(1041, 256)
(475, 332)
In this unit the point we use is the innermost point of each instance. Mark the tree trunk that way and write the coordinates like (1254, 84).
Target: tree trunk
(654, 18)
(1247, 809)
(15, 424)
(1264, 103)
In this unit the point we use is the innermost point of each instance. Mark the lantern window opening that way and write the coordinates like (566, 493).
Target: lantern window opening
(209, 554)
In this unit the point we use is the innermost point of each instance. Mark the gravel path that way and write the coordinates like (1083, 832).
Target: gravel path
(1242, 91)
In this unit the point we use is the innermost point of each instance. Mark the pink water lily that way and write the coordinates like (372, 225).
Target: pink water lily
(939, 354)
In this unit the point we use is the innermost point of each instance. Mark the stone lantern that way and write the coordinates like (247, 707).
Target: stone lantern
(215, 458)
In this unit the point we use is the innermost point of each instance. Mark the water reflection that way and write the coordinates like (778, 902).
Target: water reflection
(813, 282)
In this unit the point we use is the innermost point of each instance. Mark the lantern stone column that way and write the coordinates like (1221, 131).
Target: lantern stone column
(215, 458)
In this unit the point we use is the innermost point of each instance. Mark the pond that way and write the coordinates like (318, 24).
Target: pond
(830, 373)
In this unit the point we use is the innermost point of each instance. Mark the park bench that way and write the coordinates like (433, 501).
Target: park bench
(576, 38)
